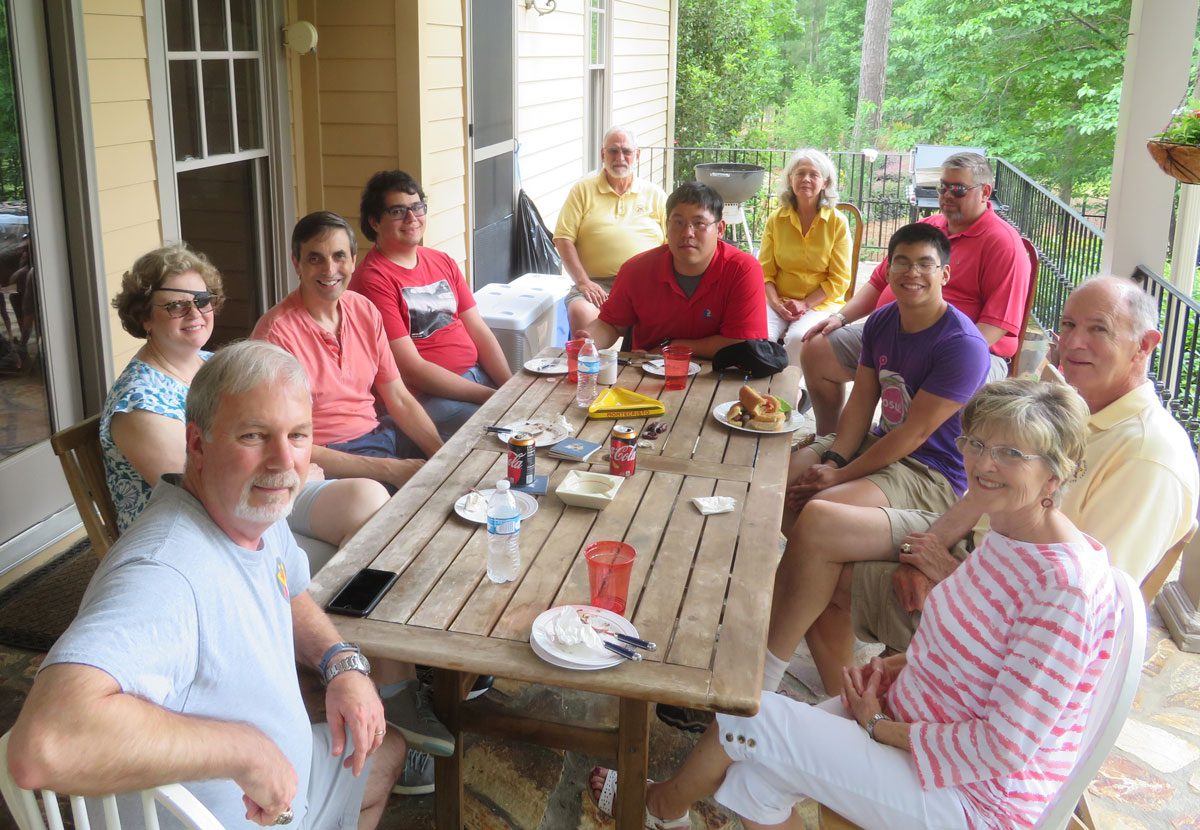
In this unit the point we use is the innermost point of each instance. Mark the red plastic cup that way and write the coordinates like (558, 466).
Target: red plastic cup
(609, 566)
(573, 347)
(676, 362)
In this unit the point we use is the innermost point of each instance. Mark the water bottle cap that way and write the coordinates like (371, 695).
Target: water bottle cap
(502, 485)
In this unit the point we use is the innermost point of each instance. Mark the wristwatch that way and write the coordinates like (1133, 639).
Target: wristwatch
(351, 661)
(331, 652)
(840, 316)
(830, 455)
(873, 722)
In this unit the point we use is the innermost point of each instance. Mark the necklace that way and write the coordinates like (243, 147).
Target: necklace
(150, 354)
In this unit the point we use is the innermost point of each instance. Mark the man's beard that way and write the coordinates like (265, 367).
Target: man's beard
(274, 511)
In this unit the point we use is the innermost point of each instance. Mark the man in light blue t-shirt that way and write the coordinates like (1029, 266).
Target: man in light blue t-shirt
(181, 665)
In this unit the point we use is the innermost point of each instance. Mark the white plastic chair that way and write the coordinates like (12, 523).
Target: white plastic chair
(23, 804)
(1114, 696)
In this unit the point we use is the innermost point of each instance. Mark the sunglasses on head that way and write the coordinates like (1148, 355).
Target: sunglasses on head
(204, 301)
(956, 190)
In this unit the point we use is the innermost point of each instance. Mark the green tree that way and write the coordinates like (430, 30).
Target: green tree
(1035, 82)
(732, 67)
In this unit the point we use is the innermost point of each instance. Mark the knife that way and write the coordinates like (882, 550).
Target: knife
(627, 653)
(636, 642)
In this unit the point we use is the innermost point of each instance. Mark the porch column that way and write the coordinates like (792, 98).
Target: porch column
(1157, 64)
(1178, 601)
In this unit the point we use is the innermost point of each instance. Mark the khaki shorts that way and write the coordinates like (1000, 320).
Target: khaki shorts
(575, 294)
(875, 612)
(847, 341)
(906, 483)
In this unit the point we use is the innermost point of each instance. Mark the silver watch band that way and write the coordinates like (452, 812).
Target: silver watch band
(353, 661)
(873, 722)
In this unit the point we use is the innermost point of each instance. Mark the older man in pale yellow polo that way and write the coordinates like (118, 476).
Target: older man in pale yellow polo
(609, 216)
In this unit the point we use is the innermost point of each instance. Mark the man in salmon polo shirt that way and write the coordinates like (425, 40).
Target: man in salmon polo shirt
(696, 291)
(338, 338)
(989, 280)
(444, 349)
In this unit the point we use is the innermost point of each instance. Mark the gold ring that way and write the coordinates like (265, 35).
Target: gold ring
(906, 548)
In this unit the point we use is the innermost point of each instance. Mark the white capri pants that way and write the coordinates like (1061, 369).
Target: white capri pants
(791, 750)
(791, 332)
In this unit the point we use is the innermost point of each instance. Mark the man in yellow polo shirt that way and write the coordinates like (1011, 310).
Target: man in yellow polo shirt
(609, 216)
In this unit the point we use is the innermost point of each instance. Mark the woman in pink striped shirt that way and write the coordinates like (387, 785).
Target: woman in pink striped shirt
(977, 725)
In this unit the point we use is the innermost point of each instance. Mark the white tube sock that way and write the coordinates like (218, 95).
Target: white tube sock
(773, 672)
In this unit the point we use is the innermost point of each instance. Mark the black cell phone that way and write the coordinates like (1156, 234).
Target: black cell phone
(362, 593)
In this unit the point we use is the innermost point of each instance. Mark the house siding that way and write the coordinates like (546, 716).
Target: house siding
(551, 90)
(385, 90)
(123, 134)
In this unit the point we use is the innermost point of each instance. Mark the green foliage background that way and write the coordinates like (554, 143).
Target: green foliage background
(1035, 82)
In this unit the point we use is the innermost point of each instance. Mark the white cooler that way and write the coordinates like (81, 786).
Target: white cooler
(558, 285)
(521, 317)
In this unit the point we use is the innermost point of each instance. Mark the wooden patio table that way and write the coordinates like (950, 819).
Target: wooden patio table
(700, 588)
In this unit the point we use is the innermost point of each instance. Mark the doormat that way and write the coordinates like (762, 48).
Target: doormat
(35, 611)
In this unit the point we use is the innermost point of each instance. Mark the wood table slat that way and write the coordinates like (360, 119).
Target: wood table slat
(700, 614)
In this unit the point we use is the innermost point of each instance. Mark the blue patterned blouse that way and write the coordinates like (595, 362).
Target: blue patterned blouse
(140, 386)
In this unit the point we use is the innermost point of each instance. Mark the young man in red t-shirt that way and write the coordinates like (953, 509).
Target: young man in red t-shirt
(696, 291)
(445, 351)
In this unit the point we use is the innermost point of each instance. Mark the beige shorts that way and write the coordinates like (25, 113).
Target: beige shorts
(906, 483)
(875, 612)
(575, 294)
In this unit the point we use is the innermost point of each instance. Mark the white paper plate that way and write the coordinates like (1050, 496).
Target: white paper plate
(547, 365)
(544, 645)
(551, 433)
(527, 503)
(657, 368)
(794, 422)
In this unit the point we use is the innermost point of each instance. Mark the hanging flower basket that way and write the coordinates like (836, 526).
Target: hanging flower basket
(1177, 148)
(1181, 161)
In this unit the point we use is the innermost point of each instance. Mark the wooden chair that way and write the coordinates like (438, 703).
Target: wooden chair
(856, 246)
(23, 804)
(78, 450)
(1154, 580)
(1030, 295)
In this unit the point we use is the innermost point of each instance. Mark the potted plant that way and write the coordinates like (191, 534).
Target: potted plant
(1177, 148)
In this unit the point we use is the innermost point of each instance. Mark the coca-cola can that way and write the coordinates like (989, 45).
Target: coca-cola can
(520, 459)
(622, 451)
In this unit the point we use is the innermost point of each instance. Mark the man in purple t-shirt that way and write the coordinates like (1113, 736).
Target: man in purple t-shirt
(922, 360)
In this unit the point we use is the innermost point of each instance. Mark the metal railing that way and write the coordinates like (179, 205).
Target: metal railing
(1175, 368)
(1068, 245)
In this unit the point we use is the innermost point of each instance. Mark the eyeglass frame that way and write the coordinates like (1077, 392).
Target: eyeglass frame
(1010, 460)
(627, 152)
(400, 212)
(942, 188)
(205, 302)
(923, 270)
(698, 228)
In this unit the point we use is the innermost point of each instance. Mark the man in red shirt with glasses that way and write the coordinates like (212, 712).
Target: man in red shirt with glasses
(989, 281)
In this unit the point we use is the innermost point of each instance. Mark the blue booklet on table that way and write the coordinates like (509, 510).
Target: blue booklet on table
(573, 449)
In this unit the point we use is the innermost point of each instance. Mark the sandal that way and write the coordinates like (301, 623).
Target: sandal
(604, 803)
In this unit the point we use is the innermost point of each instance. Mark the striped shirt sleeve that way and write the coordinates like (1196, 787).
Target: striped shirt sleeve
(1029, 701)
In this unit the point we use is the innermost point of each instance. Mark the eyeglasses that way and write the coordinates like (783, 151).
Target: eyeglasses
(1004, 456)
(956, 190)
(924, 267)
(627, 152)
(203, 301)
(401, 212)
(698, 226)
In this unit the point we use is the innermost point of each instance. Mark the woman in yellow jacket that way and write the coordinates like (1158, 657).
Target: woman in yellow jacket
(805, 252)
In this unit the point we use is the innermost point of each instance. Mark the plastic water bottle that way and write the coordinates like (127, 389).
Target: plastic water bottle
(589, 370)
(504, 534)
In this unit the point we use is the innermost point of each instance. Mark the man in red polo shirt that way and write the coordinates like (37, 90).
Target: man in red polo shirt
(696, 291)
(989, 280)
